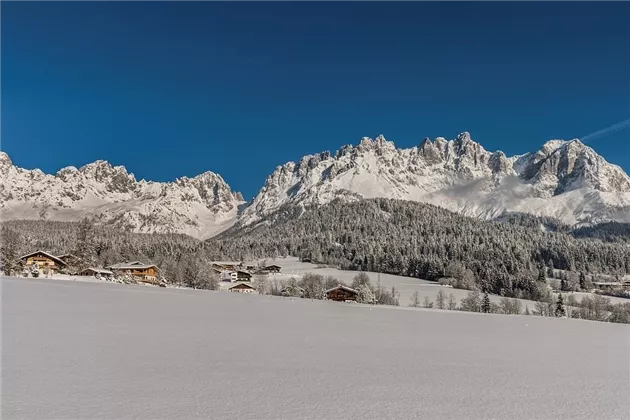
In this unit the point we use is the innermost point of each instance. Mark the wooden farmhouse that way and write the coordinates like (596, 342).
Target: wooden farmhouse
(242, 288)
(227, 265)
(272, 268)
(43, 260)
(342, 294)
(141, 272)
(243, 276)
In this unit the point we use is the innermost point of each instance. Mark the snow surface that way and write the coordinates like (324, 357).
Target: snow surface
(107, 351)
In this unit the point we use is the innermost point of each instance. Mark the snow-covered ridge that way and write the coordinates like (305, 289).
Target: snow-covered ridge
(566, 180)
(200, 206)
(563, 179)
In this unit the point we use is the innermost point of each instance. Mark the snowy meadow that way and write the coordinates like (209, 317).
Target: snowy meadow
(80, 350)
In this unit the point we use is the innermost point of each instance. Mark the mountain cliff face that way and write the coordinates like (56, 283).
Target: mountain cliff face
(201, 206)
(566, 180)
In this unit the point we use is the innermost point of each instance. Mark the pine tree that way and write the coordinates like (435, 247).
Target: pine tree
(485, 303)
(560, 311)
(563, 285)
(582, 281)
(541, 275)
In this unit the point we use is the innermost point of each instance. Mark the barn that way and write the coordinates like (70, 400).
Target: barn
(342, 294)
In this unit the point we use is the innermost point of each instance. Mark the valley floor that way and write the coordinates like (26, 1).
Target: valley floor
(82, 350)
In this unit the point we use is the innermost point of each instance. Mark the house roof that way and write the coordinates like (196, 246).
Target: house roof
(98, 270)
(131, 265)
(47, 254)
(226, 262)
(241, 285)
(272, 266)
(342, 287)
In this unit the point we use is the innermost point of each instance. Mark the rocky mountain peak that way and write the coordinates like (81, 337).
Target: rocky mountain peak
(5, 163)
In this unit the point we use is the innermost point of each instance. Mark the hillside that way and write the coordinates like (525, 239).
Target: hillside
(424, 241)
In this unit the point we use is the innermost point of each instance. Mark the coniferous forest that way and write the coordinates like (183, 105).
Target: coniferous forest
(503, 257)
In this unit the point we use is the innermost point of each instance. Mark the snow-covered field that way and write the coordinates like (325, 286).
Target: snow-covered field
(407, 286)
(84, 350)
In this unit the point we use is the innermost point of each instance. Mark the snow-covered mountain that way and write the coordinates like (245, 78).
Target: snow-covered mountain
(201, 206)
(566, 180)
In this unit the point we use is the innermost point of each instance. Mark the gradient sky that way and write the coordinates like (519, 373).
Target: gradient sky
(175, 89)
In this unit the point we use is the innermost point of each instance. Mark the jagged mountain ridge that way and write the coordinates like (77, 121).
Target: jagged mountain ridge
(566, 180)
(201, 206)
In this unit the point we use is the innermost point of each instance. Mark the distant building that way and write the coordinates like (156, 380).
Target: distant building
(136, 269)
(342, 294)
(608, 286)
(242, 275)
(43, 260)
(242, 288)
(272, 268)
(101, 272)
(227, 265)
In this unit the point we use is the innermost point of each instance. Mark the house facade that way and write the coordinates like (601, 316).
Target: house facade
(44, 261)
(342, 294)
(272, 268)
(136, 269)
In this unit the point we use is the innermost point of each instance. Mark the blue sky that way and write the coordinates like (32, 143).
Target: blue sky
(175, 89)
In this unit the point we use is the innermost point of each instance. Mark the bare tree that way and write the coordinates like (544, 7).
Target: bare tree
(440, 300)
(427, 303)
(415, 300)
(361, 279)
(452, 302)
(261, 284)
(472, 302)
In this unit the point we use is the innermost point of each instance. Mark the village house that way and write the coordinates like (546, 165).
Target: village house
(227, 265)
(242, 275)
(96, 272)
(607, 286)
(342, 294)
(234, 276)
(44, 261)
(136, 269)
(272, 268)
(242, 288)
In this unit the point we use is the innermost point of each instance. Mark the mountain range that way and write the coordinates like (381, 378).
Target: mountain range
(564, 180)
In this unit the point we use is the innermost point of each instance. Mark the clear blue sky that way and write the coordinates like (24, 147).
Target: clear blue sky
(174, 89)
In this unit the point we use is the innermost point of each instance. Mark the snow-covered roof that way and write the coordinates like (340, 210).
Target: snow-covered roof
(47, 254)
(342, 287)
(131, 265)
(239, 285)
